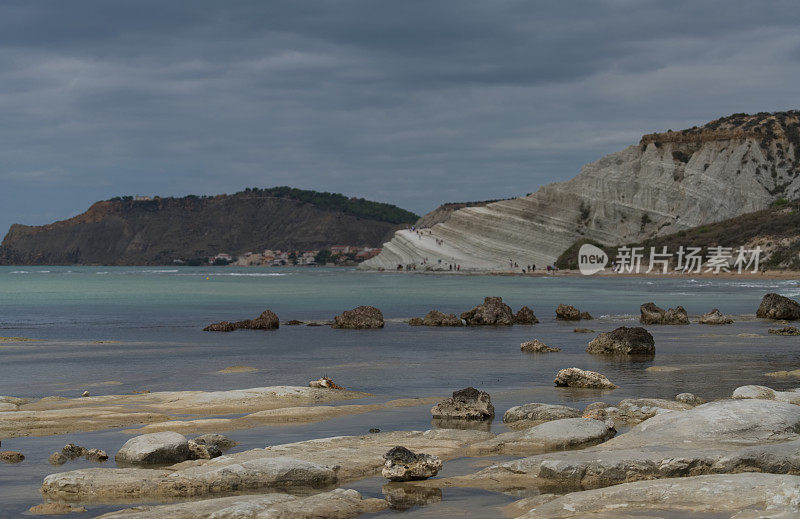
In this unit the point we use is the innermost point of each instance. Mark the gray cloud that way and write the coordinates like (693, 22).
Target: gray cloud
(409, 102)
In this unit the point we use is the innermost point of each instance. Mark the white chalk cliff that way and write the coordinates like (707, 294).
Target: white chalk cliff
(668, 182)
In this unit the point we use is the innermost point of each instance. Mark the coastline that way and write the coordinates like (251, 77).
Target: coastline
(768, 274)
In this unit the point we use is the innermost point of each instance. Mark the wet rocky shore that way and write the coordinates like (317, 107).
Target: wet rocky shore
(615, 457)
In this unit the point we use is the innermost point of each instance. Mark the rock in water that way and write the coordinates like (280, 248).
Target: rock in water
(11, 457)
(652, 314)
(72, 451)
(775, 306)
(539, 413)
(202, 451)
(404, 465)
(575, 377)
(715, 317)
(689, 398)
(765, 393)
(786, 330)
(623, 341)
(57, 459)
(154, 448)
(536, 346)
(570, 313)
(525, 316)
(466, 404)
(266, 321)
(362, 317)
(223, 326)
(493, 311)
(436, 318)
(324, 383)
(220, 441)
(96, 455)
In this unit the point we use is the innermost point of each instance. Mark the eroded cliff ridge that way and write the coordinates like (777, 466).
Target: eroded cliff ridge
(668, 182)
(127, 231)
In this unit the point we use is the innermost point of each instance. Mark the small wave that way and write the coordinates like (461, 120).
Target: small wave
(43, 271)
(20, 272)
(161, 271)
(101, 273)
(234, 274)
(755, 285)
(253, 274)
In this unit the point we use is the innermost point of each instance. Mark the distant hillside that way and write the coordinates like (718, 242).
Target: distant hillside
(776, 230)
(127, 231)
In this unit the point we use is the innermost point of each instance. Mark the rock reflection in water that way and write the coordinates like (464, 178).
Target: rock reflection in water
(402, 497)
(471, 425)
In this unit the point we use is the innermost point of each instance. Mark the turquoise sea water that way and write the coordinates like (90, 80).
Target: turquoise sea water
(152, 320)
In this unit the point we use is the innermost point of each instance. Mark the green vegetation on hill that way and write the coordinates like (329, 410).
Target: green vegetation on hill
(779, 226)
(324, 200)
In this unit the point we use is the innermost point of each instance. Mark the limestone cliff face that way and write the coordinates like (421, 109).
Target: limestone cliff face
(444, 211)
(668, 182)
(156, 232)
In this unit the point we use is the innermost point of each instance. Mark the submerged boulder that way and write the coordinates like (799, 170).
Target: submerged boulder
(55, 509)
(202, 451)
(436, 318)
(154, 448)
(623, 341)
(525, 316)
(776, 306)
(653, 314)
(786, 330)
(404, 465)
(11, 457)
(465, 404)
(57, 459)
(715, 317)
(575, 377)
(97, 455)
(536, 346)
(493, 311)
(220, 441)
(359, 318)
(266, 321)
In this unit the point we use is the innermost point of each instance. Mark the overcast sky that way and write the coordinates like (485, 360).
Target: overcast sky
(409, 102)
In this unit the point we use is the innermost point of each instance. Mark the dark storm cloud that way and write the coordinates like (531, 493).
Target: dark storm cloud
(410, 102)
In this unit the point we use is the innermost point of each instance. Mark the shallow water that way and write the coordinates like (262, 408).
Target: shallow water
(154, 319)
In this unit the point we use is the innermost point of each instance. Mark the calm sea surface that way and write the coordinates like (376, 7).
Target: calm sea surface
(153, 320)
